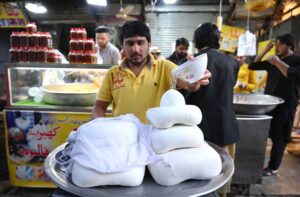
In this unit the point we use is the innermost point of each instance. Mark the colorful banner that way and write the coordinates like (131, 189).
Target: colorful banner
(11, 16)
(30, 137)
(230, 37)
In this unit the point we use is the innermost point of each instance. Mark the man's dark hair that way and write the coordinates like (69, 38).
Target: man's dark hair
(286, 39)
(182, 41)
(102, 29)
(135, 28)
(207, 35)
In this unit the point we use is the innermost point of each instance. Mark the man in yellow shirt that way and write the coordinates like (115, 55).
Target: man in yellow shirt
(246, 82)
(138, 83)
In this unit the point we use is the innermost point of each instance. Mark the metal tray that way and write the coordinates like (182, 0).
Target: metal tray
(148, 188)
(255, 104)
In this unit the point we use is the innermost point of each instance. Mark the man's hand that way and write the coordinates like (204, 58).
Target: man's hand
(273, 59)
(192, 87)
(242, 86)
(270, 45)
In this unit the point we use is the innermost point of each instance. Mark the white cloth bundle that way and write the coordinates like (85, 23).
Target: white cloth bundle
(164, 140)
(168, 116)
(110, 145)
(201, 163)
(247, 44)
(84, 177)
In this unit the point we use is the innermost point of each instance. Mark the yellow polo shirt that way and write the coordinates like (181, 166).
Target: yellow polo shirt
(248, 77)
(131, 94)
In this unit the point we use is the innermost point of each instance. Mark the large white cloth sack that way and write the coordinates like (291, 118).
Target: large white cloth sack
(168, 116)
(164, 140)
(201, 163)
(172, 98)
(84, 177)
(110, 145)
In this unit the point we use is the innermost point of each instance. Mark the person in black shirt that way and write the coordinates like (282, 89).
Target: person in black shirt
(215, 100)
(283, 80)
(180, 53)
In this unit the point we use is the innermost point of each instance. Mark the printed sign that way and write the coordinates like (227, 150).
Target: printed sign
(11, 16)
(230, 37)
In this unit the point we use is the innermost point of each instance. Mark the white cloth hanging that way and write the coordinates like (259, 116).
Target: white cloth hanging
(247, 44)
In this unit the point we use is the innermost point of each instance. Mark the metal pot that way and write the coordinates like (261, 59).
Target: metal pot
(72, 94)
(255, 104)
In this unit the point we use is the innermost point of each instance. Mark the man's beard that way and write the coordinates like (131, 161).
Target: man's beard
(181, 55)
(137, 63)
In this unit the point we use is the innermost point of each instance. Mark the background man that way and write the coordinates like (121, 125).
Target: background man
(180, 53)
(106, 51)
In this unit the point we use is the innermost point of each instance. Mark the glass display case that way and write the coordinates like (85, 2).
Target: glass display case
(45, 103)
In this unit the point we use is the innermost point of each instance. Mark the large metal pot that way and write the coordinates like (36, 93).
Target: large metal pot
(70, 94)
(255, 104)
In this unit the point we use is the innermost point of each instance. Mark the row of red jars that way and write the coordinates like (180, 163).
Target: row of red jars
(24, 39)
(33, 54)
(82, 45)
(81, 57)
(78, 34)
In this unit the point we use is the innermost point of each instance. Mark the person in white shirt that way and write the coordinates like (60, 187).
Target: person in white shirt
(107, 52)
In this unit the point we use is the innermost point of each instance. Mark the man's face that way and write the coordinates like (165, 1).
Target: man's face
(241, 59)
(281, 48)
(181, 51)
(102, 39)
(136, 49)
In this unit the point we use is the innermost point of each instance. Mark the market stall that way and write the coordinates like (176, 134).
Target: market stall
(45, 103)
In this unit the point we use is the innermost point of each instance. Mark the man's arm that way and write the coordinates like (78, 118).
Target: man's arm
(99, 109)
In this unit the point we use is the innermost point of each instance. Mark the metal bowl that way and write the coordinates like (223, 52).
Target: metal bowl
(70, 94)
(148, 188)
(255, 104)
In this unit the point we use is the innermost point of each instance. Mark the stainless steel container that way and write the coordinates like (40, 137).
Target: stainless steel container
(255, 103)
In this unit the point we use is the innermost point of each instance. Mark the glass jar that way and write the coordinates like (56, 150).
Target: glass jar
(58, 59)
(80, 58)
(73, 45)
(32, 54)
(14, 55)
(89, 44)
(34, 40)
(91, 57)
(82, 33)
(31, 27)
(41, 54)
(23, 55)
(80, 45)
(15, 39)
(74, 34)
(49, 39)
(24, 41)
(51, 56)
(72, 57)
(43, 39)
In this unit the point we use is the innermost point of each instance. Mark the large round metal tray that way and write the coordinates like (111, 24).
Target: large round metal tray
(255, 104)
(63, 94)
(148, 188)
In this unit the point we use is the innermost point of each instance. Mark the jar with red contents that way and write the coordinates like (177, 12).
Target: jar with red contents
(43, 39)
(15, 39)
(32, 51)
(58, 59)
(80, 57)
(49, 39)
(14, 54)
(72, 57)
(73, 45)
(89, 44)
(82, 33)
(24, 39)
(80, 45)
(34, 40)
(51, 56)
(41, 54)
(91, 57)
(23, 55)
(31, 27)
(74, 34)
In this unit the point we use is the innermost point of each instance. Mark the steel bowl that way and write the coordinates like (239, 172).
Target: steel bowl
(70, 94)
(255, 104)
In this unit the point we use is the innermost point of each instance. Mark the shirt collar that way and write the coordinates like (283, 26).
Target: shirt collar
(151, 62)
